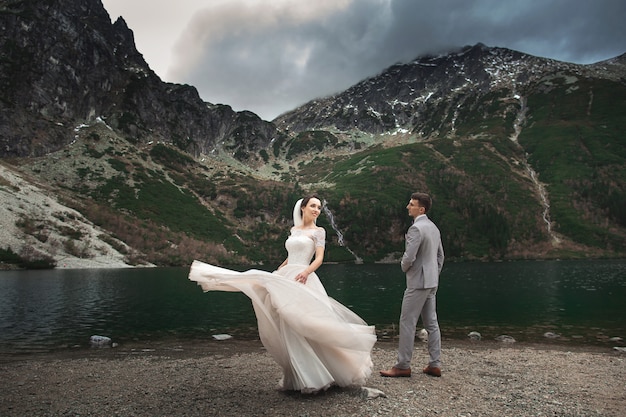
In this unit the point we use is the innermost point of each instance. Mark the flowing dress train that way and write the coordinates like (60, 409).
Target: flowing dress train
(316, 340)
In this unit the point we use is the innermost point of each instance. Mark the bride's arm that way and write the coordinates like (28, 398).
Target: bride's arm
(283, 264)
(319, 258)
(285, 261)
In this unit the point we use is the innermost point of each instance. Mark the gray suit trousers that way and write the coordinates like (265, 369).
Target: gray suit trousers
(418, 302)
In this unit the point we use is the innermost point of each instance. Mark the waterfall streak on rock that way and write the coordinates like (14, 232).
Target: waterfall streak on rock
(340, 240)
(543, 195)
(539, 187)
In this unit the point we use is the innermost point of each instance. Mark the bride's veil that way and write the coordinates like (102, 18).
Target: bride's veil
(297, 214)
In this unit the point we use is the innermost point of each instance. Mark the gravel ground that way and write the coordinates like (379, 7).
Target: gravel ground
(234, 377)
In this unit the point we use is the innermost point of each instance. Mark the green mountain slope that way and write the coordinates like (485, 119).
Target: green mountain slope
(525, 170)
(539, 177)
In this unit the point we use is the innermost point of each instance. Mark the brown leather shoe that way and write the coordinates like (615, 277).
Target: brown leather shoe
(431, 370)
(396, 372)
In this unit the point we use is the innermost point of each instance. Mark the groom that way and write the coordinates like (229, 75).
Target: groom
(422, 262)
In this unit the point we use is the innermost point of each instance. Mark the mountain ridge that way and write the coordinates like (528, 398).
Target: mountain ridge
(424, 77)
(65, 64)
(524, 156)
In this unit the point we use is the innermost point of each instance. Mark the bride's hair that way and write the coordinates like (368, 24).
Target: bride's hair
(297, 210)
(305, 200)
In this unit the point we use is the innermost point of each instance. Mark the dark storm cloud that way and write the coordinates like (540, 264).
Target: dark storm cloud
(269, 57)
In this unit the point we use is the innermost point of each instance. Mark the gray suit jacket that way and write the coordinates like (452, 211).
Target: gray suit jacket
(423, 255)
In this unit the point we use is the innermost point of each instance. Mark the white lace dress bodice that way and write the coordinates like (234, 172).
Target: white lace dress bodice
(301, 245)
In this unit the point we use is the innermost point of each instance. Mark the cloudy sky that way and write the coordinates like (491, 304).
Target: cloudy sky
(269, 56)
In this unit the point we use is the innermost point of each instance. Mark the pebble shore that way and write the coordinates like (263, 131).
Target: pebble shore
(238, 378)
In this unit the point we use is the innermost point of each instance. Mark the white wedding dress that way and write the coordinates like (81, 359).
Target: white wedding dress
(316, 340)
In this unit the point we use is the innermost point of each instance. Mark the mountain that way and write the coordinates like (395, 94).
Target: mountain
(63, 64)
(524, 156)
(409, 96)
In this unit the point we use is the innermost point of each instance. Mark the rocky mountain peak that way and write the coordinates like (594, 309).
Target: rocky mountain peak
(63, 64)
(407, 96)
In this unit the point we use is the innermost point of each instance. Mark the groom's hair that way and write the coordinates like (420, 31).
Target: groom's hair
(424, 200)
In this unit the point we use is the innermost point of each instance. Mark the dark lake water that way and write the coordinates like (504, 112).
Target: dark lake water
(582, 301)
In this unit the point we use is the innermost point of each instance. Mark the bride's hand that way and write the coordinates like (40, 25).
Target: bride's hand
(301, 277)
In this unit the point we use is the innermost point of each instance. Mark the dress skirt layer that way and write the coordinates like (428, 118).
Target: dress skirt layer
(316, 340)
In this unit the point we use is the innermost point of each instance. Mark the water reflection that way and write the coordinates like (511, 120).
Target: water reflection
(529, 298)
(581, 300)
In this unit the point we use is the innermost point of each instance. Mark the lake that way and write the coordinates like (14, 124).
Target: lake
(582, 301)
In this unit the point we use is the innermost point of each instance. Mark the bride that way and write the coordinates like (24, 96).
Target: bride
(317, 341)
